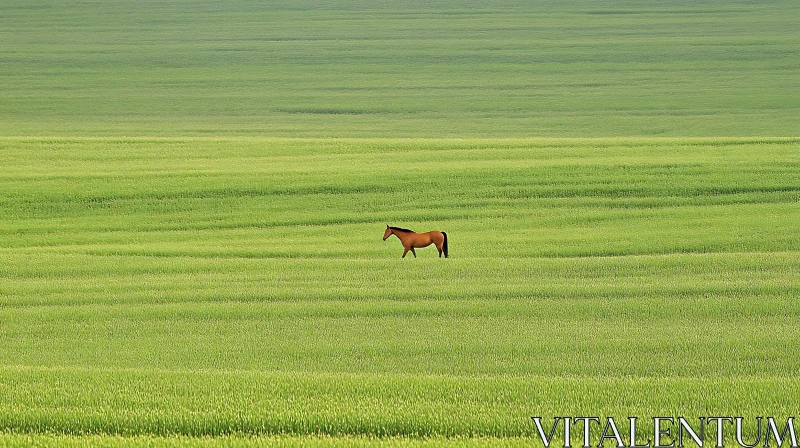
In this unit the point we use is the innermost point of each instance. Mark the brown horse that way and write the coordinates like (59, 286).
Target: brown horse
(411, 239)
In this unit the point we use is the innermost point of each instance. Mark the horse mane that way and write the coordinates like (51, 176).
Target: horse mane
(402, 229)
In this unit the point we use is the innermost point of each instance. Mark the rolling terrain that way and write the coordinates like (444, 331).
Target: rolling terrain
(213, 287)
(193, 194)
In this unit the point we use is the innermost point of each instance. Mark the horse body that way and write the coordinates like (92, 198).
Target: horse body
(411, 239)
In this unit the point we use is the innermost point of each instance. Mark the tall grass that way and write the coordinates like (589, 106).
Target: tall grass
(175, 271)
(164, 288)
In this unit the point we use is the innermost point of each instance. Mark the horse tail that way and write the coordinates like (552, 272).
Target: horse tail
(444, 245)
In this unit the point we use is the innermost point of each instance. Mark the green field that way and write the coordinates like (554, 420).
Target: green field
(377, 68)
(193, 195)
(205, 287)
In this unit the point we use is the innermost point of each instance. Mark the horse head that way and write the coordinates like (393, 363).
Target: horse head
(388, 233)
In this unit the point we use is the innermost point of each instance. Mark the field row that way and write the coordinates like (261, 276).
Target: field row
(331, 199)
(203, 403)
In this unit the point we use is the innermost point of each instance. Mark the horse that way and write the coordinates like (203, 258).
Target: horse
(411, 239)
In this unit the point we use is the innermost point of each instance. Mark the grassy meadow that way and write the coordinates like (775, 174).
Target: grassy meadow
(377, 68)
(193, 195)
(239, 287)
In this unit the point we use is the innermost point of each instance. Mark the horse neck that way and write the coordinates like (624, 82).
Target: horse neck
(401, 235)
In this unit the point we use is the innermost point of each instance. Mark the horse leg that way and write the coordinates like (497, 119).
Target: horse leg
(405, 252)
(414, 252)
(439, 248)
